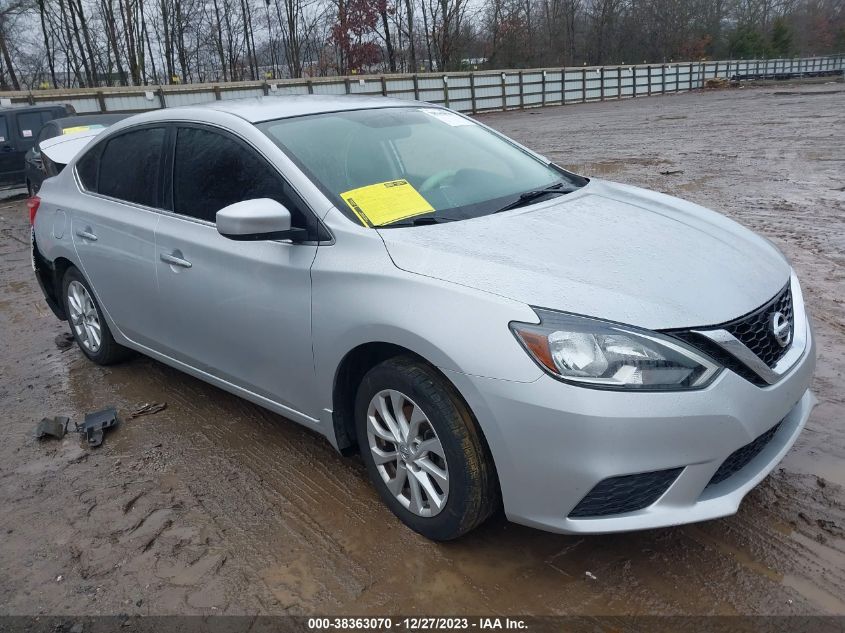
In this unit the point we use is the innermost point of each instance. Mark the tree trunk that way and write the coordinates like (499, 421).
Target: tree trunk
(412, 47)
(388, 44)
(46, 36)
(219, 42)
(7, 58)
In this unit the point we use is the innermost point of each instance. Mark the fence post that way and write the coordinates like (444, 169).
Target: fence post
(383, 86)
(583, 85)
(346, 83)
(472, 92)
(601, 83)
(504, 94)
(677, 77)
(634, 80)
(446, 90)
(521, 92)
(416, 87)
(619, 82)
(649, 80)
(543, 90)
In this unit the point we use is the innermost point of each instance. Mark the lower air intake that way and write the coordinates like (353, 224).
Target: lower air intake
(739, 459)
(626, 493)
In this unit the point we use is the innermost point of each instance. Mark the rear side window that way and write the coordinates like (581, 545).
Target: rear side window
(130, 167)
(29, 123)
(211, 171)
(4, 131)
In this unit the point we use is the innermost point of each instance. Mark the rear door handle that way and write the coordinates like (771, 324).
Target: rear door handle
(175, 261)
(86, 235)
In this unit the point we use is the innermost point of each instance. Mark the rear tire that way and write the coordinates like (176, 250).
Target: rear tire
(89, 328)
(423, 450)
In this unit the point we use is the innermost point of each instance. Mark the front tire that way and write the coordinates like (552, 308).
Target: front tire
(90, 330)
(423, 450)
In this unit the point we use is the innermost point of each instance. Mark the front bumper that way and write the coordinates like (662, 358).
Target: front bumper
(552, 443)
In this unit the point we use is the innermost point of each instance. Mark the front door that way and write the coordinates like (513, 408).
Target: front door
(239, 311)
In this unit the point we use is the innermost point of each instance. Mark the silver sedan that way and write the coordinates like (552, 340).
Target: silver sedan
(484, 327)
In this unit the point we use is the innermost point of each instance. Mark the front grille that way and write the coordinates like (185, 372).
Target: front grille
(626, 493)
(739, 459)
(755, 331)
(725, 359)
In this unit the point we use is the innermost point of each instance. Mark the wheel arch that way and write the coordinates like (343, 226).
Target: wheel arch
(52, 282)
(351, 370)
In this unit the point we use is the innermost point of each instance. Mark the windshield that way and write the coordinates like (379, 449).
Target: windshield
(400, 166)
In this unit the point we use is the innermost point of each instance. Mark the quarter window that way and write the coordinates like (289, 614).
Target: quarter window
(212, 171)
(130, 167)
(87, 167)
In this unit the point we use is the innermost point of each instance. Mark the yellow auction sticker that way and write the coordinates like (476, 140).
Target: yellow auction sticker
(81, 128)
(386, 202)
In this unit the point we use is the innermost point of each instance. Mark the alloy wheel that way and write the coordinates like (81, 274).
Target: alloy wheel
(84, 317)
(407, 453)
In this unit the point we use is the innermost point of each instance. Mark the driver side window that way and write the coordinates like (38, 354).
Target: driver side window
(212, 171)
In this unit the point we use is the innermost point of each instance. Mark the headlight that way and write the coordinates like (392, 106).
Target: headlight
(612, 356)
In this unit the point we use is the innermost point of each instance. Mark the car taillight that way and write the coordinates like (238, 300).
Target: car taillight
(32, 204)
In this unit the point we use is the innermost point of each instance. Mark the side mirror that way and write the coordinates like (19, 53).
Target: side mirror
(258, 219)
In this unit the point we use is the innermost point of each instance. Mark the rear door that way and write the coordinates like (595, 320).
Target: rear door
(113, 226)
(239, 311)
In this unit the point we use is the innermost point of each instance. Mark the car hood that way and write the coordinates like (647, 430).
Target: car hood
(610, 251)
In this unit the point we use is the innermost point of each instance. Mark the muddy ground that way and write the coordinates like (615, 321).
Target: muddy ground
(216, 506)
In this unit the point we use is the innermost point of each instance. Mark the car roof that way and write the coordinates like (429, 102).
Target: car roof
(257, 109)
(14, 109)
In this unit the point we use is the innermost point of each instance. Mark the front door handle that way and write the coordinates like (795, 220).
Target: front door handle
(173, 260)
(86, 235)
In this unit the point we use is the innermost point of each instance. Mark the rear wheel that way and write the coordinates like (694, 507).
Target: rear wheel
(86, 321)
(423, 450)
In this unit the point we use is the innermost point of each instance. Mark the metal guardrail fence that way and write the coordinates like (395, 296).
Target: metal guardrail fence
(472, 92)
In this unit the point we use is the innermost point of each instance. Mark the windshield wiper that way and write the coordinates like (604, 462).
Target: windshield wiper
(528, 196)
(429, 219)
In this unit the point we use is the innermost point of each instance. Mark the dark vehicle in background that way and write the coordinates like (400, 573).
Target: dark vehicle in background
(19, 128)
(39, 167)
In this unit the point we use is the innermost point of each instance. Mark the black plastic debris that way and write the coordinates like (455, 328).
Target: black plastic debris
(95, 423)
(64, 340)
(52, 427)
